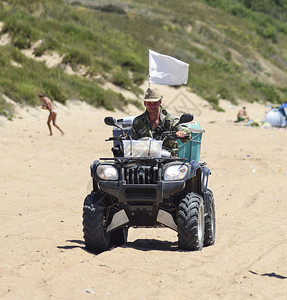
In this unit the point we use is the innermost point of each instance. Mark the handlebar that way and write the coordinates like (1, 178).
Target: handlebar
(172, 135)
(117, 138)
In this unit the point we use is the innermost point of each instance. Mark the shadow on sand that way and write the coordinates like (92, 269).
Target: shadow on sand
(77, 245)
(152, 244)
(139, 244)
(269, 275)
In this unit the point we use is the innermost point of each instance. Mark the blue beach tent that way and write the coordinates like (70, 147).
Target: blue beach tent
(283, 109)
(277, 117)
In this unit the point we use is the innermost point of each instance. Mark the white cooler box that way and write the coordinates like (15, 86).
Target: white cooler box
(142, 148)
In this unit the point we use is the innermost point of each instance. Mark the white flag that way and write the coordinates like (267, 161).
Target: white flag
(167, 70)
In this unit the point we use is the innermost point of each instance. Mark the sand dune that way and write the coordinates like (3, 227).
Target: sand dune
(44, 180)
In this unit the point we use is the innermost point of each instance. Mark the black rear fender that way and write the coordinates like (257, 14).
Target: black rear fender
(205, 172)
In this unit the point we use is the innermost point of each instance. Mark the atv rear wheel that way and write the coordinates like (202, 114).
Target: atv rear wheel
(209, 221)
(94, 224)
(119, 236)
(191, 222)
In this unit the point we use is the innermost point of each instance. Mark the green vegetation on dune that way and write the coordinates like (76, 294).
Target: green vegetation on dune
(23, 83)
(74, 34)
(236, 49)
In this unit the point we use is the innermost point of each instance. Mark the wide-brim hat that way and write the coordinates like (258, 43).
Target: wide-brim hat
(151, 95)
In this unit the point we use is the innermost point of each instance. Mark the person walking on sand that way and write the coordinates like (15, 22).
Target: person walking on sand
(47, 104)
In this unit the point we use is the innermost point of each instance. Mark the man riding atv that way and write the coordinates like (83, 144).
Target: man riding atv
(142, 186)
(155, 120)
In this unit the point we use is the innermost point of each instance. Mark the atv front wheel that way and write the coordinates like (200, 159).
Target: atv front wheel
(191, 222)
(94, 224)
(209, 221)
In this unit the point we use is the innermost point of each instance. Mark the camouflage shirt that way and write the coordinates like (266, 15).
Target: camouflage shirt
(142, 128)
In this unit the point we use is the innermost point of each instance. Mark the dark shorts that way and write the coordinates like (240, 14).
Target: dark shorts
(240, 119)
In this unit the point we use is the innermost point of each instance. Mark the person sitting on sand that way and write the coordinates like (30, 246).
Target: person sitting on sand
(47, 104)
(242, 115)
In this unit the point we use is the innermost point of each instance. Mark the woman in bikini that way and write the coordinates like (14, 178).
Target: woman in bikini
(47, 104)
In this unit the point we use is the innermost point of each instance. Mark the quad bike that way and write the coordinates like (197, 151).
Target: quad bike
(151, 191)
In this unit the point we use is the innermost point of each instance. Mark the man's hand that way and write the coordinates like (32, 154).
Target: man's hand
(180, 134)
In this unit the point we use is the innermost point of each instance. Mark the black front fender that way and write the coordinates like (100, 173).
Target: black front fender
(193, 167)
(93, 167)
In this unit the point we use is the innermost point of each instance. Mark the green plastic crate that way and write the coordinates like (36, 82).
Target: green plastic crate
(191, 149)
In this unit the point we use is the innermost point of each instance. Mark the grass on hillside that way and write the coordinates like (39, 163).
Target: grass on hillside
(68, 31)
(6, 109)
(112, 43)
(212, 68)
(24, 82)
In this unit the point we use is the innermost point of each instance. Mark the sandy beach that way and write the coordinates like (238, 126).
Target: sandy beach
(44, 180)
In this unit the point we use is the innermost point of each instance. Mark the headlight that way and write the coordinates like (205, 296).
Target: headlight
(107, 172)
(175, 172)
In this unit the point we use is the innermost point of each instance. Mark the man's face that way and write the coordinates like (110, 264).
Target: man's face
(152, 107)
